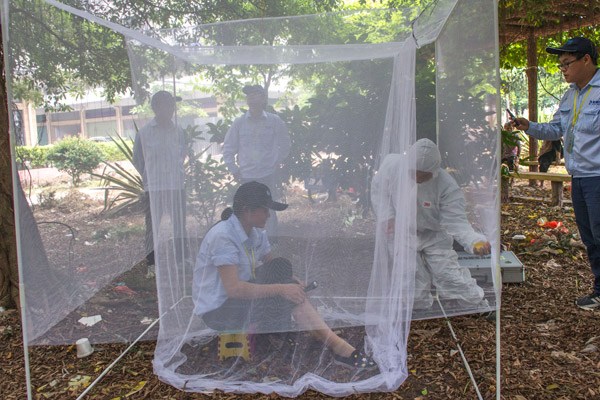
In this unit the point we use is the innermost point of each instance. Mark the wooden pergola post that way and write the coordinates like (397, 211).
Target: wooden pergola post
(532, 97)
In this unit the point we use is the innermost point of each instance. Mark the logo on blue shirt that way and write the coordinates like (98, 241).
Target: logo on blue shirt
(594, 102)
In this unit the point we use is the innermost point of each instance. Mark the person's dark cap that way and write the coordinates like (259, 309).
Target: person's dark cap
(253, 90)
(576, 45)
(163, 97)
(256, 194)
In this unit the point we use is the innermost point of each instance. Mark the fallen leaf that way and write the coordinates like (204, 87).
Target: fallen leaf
(425, 333)
(79, 382)
(549, 325)
(137, 388)
(590, 348)
(565, 356)
(592, 339)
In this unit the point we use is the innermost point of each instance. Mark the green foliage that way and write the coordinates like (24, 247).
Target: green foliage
(514, 90)
(111, 151)
(119, 232)
(514, 55)
(76, 54)
(128, 184)
(303, 138)
(47, 199)
(504, 171)
(510, 138)
(208, 183)
(33, 156)
(75, 156)
(218, 131)
(425, 92)
(225, 81)
(37, 156)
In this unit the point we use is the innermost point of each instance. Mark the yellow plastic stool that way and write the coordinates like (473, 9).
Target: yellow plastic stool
(234, 345)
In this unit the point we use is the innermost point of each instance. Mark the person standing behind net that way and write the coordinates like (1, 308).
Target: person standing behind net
(549, 153)
(511, 148)
(441, 219)
(577, 122)
(256, 146)
(158, 155)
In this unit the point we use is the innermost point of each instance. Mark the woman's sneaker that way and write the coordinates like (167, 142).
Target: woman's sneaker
(589, 302)
(356, 360)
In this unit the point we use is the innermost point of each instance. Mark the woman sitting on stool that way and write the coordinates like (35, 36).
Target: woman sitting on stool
(231, 292)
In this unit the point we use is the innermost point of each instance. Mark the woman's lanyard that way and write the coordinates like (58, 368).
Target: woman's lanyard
(576, 113)
(252, 261)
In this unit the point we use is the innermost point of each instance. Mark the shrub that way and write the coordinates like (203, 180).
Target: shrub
(208, 182)
(33, 157)
(75, 156)
(47, 199)
(111, 152)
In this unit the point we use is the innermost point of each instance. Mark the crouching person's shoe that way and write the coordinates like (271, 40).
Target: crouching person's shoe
(589, 302)
(356, 360)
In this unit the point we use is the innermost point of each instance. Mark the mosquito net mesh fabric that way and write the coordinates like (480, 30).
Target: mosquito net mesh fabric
(377, 129)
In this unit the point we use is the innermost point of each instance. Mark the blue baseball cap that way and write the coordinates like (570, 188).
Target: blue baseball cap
(576, 45)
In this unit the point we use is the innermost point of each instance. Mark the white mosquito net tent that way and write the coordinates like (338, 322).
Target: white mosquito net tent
(350, 94)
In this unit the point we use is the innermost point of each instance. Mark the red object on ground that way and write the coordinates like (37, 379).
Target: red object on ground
(552, 224)
(124, 289)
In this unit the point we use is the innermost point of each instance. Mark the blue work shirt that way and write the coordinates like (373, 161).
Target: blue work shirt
(581, 143)
(226, 243)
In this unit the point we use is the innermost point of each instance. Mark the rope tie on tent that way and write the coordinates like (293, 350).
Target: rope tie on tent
(460, 350)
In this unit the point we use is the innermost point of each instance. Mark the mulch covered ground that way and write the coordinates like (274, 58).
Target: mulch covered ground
(550, 349)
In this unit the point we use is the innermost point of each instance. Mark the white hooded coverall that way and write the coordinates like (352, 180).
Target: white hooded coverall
(441, 219)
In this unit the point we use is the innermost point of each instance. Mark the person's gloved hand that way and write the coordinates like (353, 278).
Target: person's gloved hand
(482, 248)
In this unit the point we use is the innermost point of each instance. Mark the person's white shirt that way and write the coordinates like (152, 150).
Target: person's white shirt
(255, 146)
(158, 155)
(226, 243)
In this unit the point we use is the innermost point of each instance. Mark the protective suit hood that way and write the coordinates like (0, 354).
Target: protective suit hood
(427, 156)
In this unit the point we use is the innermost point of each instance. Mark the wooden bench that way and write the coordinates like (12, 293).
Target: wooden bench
(556, 180)
(526, 163)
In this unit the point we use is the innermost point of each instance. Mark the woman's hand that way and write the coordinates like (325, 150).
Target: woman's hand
(293, 292)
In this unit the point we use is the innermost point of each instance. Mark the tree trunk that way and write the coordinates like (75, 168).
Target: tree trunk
(9, 276)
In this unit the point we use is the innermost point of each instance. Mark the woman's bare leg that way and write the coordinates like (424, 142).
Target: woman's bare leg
(309, 319)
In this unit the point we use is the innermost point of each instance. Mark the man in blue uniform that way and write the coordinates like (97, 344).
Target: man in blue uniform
(577, 122)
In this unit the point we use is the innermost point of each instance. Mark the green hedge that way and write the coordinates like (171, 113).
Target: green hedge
(111, 152)
(37, 156)
(33, 157)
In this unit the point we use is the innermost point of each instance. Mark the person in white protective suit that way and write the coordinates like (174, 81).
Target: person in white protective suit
(441, 219)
